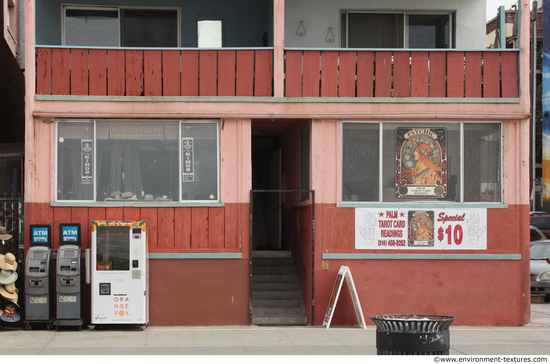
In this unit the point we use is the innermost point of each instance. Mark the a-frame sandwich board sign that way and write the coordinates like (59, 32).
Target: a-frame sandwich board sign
(343, 274)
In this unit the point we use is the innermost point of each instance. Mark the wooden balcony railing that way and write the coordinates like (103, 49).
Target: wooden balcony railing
(249, 72)
(129, 72)
(488, 74)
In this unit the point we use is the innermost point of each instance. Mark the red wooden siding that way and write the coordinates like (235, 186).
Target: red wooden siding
(459, 74)
(170, 229)
(125, 72)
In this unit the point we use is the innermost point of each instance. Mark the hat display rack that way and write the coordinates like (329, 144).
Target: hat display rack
(10, 311)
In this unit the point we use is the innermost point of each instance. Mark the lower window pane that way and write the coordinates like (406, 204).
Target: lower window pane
(482, 160)
(360, 161)
(137, 160)
(75, 179)
(199, 161)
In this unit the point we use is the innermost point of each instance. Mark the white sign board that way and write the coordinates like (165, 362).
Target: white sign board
(409, 229)
(344, 273)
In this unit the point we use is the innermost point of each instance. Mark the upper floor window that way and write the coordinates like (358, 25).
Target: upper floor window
(137, 160)
(396, 30)
(121, 26)
(421, 162)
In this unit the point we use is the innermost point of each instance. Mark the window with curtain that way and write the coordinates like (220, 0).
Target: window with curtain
(428, 162)
(137, 160)
(363, 29)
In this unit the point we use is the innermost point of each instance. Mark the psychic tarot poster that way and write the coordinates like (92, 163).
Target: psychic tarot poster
(421, 228)
(421, 158)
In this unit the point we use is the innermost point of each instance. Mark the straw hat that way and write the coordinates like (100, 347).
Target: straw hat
(9, 291)
(4, 234)
(7, 276)
(8, 262)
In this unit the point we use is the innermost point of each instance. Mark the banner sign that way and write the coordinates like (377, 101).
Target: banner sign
(87, 152)
(188, 160)
(344, 273)
(421, 156)
(435, 229)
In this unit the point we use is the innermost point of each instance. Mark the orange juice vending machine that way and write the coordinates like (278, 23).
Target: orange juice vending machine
(119, 273)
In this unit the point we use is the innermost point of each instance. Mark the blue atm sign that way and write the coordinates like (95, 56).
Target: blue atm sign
(40, 235)
(69, 233)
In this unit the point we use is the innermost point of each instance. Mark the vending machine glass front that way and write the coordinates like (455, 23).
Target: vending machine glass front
(113, 248)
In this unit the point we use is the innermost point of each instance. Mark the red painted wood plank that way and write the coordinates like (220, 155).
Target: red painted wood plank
(199, 228)
(365, 74)
(509, 74)
(152, 73)
(171, 77)
(329, 74)
(437, 73)
(79, 71)
(96, 213)
(227, 69)
(245, 73)
(455, 74)
(348, 63)
(382, 67)
(150, 214)
(231, 226)
(401, 74)
(216, 227)
(114, 213)
(98, 72)
(61, 215)
(263, 73)
(116, 72)
(312, 73)
(491, 74)
(166, 228)
(189, 73)
(419, 74)
(208, 73)
(293, 76)
(134, 72)
(182, 225)
(43, 213)
(43, 71)
(79, 215)
(132, 213)
(61, 63)
(473, 74)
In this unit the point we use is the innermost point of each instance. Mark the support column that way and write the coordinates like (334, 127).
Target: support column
(278, 47)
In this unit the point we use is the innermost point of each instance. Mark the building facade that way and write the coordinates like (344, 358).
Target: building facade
(382, 137)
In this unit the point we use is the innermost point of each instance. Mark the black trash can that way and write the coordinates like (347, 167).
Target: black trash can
(412, 334)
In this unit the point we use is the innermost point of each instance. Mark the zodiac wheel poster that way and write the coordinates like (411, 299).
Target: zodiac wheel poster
(421, 162)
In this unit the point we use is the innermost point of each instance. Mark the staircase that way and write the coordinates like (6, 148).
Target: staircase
(276, 295)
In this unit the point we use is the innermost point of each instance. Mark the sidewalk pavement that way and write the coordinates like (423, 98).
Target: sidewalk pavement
(532, 339)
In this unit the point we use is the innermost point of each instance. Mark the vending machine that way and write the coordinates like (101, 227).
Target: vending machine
(119, 273)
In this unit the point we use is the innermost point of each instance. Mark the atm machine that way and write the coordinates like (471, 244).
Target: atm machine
(119, 273)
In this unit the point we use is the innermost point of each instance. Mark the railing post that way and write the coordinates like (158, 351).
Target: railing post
(278, 47)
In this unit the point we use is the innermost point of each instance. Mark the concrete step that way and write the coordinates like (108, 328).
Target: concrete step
(279, 320)
(285, 269)
(278, 303)
(256, 286)
(274, 278)
(256, 262)
(278, 311)
(277, 295)
(272, 254)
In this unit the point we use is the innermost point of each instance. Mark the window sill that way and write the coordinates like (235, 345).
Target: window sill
(420, 205)
(130, 203)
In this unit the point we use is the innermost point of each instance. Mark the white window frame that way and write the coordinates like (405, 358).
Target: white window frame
(65, 7)
(180, 122)
(422, 201)
(405, 15)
